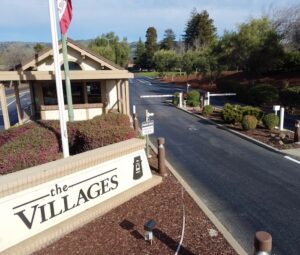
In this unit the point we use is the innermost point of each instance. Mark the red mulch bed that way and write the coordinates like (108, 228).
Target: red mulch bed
(121, 230)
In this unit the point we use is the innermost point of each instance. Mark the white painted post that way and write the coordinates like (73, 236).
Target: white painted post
(133, 109)
(281, 118)
(180, 99)
(207, 99)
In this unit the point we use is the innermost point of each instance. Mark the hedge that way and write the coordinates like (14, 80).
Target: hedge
(263, 94)
(270, 121)
(37, 143)
(249, 122)
(235, 113)
(290, 96)
(193, 98)
(231, 86)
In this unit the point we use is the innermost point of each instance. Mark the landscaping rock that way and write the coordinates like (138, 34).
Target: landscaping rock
(282, 135)
(281, 142)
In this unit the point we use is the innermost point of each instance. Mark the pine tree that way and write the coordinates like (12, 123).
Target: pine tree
(151, 46)
(200, 31)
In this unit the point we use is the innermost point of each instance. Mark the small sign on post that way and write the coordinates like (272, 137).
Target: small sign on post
(148, 127)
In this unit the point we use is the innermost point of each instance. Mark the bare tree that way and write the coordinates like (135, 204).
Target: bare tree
(287, 23)
(15, 54)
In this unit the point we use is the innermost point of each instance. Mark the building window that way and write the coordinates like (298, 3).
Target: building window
(50, 96)
(77, 93)
(93, 92)
(73, 66)
(49, 93)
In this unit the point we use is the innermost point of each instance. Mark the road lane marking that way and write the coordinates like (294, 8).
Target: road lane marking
(145, 82)
(21, 95)
(294, 160)
(155, 96)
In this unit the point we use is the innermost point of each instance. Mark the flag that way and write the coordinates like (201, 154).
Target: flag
(65, 14)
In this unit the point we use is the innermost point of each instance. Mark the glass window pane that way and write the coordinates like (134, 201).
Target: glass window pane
(93, 92)
(49, 92)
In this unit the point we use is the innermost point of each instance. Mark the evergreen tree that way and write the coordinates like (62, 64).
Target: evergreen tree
(200, 31)
(141, 61)
(38, 48)
(151, 46)
(168, 43)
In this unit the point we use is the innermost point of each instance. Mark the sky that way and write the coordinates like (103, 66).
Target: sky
(28, 20)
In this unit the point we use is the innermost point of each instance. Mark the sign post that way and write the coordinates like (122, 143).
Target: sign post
(148, 129)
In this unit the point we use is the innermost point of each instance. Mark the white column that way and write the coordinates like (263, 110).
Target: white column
(281, 118)
(127, 97)
(18, 103)
(180, 99)
(4, 107)
(207, 99)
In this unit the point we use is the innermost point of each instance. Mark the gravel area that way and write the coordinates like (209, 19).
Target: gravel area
(121, 230)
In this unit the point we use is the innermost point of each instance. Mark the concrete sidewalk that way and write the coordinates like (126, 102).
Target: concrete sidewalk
(295, 153)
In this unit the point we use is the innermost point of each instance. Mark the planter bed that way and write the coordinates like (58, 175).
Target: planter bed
(278, 139)
(121, 230)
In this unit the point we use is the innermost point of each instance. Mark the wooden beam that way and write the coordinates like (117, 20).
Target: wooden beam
(119, 96)
(18, 103)
(31, 84)
(124, 108)
(4, 107)
(127, 97)
(74, 75)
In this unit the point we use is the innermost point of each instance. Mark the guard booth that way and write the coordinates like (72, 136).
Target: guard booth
(98, 85)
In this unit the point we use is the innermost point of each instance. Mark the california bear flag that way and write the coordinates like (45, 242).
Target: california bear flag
(65, 14)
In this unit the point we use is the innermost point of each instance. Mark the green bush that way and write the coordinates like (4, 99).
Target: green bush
(249, 122)
(231, 86)
(207, 110)
(175, 100)
(232, 113)
(263, 94)
(37, 143)
(254, 111)
(270, 121)
(193, 97)
(290, 96)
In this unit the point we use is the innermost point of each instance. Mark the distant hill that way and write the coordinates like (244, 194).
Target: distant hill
(13, 52)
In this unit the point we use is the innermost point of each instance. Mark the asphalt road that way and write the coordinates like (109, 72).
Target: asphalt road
(12, 108)
(247, 187)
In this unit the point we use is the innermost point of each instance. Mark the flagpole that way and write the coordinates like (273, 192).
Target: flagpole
(67, 77)
(58, 78)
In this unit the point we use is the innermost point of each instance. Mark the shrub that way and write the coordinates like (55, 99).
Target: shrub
(270, 121)
(254, 111)
(231, 86)
(207, 110)
(263, 94)
(249, 122)
(175, 99)
(37, 143)
(35, 146)
(232, 113)
(290, 96)
(193, 98)
(113, 119)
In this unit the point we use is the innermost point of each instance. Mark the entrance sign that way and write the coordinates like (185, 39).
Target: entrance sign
(148, 127)
(33, 210)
